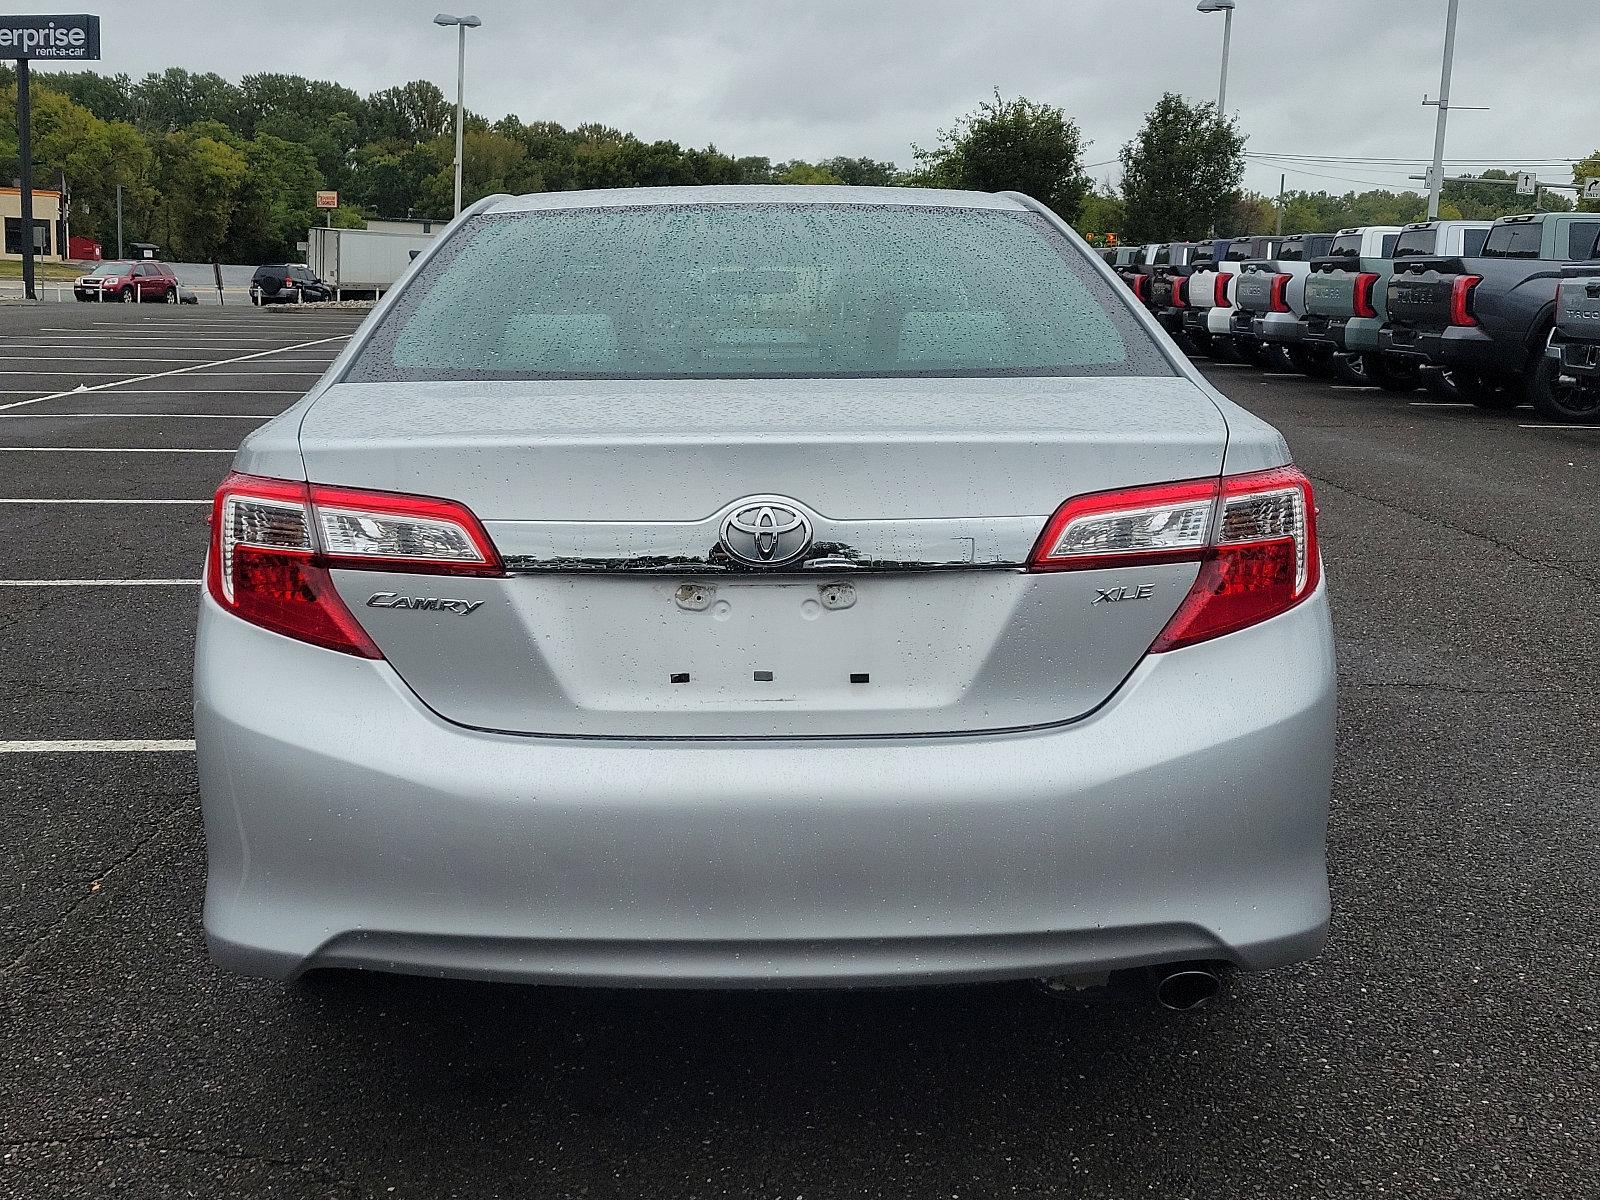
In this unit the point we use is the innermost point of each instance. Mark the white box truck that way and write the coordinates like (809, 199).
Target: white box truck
(361, 263)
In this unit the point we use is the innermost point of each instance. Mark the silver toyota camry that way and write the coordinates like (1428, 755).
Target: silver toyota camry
(764, 586)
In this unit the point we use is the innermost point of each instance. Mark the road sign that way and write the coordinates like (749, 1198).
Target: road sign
(1591, 188)
(327, 199)
(70, 38)
(1527, 184)
(74, 37)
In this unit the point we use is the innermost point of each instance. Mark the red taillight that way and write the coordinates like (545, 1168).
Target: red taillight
(1180, 293)
(274, 541)
(1461, 299)
(1253, 535)
(1141, 285)
(288, 283)
(1280, 293)
(1365, 282)
(1221, 297)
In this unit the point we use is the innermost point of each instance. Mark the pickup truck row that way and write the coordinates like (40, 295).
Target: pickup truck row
(1493, 313)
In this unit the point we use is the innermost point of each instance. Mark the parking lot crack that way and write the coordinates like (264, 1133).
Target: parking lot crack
(1561, 567)
(94, 886)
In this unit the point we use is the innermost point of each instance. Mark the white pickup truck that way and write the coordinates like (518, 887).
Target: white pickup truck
(1209, 293)
(1269, 299)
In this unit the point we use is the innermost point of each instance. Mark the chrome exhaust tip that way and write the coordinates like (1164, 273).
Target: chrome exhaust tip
(1187, 988)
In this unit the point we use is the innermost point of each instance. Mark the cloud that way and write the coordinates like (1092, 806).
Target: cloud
(810, 78)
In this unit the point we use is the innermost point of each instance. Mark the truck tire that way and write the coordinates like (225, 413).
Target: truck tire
(1561, 398)
(1489, 392)
(1275, 357)
(1353, 369)
(1306, 360)
(1393, 374)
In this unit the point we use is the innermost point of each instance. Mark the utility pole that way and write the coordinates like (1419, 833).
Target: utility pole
(25, 154)
(119, 221)
(1283, 181)
(462, 24)
(1436, 176)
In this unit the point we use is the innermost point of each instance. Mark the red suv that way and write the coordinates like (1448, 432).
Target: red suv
(145, 280)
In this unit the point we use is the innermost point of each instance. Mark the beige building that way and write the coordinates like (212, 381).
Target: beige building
(48, 241)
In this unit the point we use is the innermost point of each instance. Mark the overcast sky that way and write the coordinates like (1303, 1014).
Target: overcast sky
(814, 78)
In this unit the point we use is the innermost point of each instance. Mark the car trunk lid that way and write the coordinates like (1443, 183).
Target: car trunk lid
(622, 617)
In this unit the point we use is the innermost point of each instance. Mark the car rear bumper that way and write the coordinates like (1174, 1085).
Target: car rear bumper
(1578, 359)
(1463, 347)
(1277, 327)
(1322, 332)
(348, 825)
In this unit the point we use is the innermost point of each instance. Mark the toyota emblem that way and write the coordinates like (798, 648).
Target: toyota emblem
(766, 531)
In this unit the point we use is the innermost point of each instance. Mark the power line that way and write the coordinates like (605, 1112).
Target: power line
(1351, 160)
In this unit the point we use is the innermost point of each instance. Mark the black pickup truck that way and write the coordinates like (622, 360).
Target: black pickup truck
(1170, 269)
(1572, 366)
(1485, 320)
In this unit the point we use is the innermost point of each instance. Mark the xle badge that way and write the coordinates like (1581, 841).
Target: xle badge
(1111, 595)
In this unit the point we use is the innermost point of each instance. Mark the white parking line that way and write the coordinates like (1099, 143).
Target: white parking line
(105, 450)
(37, 500)
(64, 583)
(100, 746)
(1353, 387)
(1441, 404)
(185, 371)
(1590, 428)
(121, 416)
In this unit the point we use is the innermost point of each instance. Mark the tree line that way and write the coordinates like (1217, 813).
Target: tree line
(213, 169)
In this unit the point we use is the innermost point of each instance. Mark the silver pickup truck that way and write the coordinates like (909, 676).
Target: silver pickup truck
(1269, 299)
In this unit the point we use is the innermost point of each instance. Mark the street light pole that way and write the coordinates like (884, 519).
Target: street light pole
(1436, 176)
(462, 24)
(1225, 7)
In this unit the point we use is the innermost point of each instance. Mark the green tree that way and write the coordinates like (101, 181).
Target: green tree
(413, 112)
(276, 200)
(862, 172)
(1181, 173)
(1102, 213)
(199, 177)
(1011, 145)
(799, 171)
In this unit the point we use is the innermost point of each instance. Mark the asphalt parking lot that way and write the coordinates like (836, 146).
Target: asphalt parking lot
(1446, 1045)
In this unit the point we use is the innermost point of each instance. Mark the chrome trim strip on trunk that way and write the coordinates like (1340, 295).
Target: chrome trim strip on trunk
(675, 547)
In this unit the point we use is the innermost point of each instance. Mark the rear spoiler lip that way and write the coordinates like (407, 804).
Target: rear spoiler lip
(1422, 263)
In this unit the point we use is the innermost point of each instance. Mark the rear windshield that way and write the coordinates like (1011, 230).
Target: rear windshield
(1291, 251)
(1416, 241)
(763, 290)
(1346, 245)
(1521, 240)
(112, 268)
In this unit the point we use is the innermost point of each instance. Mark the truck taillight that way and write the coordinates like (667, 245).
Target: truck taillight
(274, 543)
(1254, 536)
(1280, 293)
(1461, 289)
(1365, 283)
(1220, 298)
(1180, 293)
(1141, 286)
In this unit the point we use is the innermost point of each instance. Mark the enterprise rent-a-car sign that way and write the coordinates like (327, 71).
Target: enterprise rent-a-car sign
(68, 37)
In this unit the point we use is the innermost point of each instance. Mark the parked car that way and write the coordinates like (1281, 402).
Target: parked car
(143, 280)
(287, 283)
(1338, 290)
(1207, 319)
(493, 680)
(1269, 299)
(1486, 320)
(1572, 384)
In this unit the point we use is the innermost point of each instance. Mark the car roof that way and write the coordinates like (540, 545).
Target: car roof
(754, 193)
